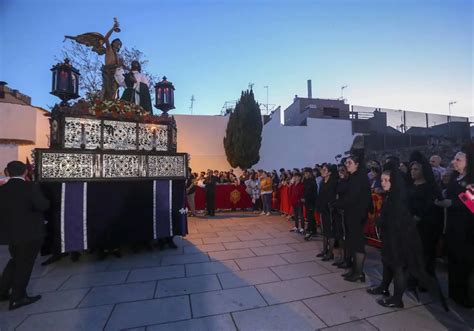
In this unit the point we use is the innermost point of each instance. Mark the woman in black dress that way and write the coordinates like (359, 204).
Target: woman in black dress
(356, 202)
(422, 195)
(460, 230)
(324, 205)
(402, 249)
(345, 260)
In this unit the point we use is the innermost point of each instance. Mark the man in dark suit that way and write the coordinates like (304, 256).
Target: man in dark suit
(21, 227)
(210, 182)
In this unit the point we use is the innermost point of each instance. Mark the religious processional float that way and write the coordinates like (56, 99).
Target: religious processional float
(112, 172)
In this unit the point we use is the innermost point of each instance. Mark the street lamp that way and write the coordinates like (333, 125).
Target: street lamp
(449, 109)
(164, 96)
(65, 81)
(342, 92)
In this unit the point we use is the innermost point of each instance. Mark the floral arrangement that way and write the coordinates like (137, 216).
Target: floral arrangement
(112, 109)
(102, 107)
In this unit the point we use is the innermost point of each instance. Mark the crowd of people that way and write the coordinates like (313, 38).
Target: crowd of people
(421, 209)
(421, 204)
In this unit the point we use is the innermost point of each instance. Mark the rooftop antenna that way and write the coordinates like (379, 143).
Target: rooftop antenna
(266, 87)
(192, 104)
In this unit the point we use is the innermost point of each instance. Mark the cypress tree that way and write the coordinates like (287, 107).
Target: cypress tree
(244, 133)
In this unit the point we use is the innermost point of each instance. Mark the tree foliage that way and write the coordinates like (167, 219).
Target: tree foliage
(244, 132)
(90, 63)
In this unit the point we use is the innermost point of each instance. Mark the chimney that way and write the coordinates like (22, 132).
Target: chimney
(310, 92)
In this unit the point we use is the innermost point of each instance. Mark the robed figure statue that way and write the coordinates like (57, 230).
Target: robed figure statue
(137, 86)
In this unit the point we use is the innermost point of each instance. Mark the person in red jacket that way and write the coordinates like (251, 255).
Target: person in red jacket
(296, 200)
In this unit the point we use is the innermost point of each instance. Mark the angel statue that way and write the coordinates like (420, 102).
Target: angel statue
(113, 62)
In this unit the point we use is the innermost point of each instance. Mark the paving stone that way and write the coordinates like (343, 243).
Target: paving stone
(290, 316)
(220, 240)
(181, 286)
(247, 277)
(345, 307)
(202, 235)
(307, 246)
(95, 279)
(279, 241)
(420, 318)
(211, 323)
(299, 270)
(243, 244)
(256, 236)
(335, 283)
(231, 233)
(231, 254)
(149, 312)
(291, 290)
(204, 248)
(89, 319)
(351, 326)
(50, 301)
(206, 268)
(225, 301)
(104, 295)
(46, 284)
(271, 250)
(260, 262)
(184, 259)
(138, 260)
(193, 241)
(156, 273)
(66, 267)
(298, 257)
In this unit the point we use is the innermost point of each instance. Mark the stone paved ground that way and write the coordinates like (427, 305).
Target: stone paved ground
(235, 271)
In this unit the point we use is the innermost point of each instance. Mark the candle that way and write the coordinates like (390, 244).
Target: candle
(154, 139)
(83, 136)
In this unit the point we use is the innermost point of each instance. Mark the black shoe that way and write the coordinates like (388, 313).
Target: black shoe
(337, 263)
(355, 278)
(171, 244)
(390, 303)
(75, 256)
(117, 253)
(378, 291)
(320, 254)
(345, 265)
(348, 273)
(327, 258)
(23, 302)
(308, 236)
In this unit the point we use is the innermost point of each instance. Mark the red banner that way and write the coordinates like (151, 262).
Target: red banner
(228, 196)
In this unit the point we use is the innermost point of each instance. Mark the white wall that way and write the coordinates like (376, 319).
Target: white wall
(301, 146)
(22, 123)
(202, 137)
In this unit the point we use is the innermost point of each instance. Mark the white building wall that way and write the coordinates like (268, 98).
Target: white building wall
(301, 146)
(22, 123)
(202, 137)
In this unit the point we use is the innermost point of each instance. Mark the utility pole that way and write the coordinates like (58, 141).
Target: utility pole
(449, 109)
(192, 104)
